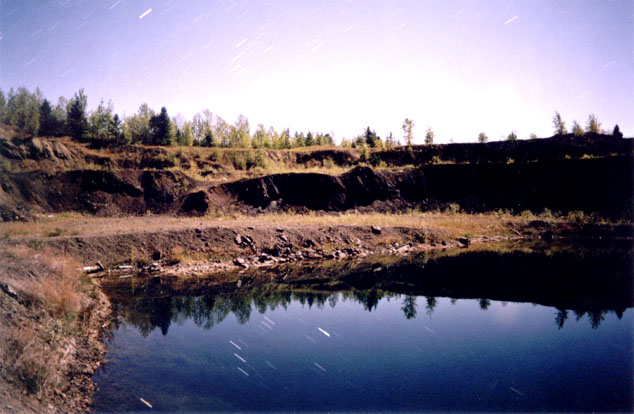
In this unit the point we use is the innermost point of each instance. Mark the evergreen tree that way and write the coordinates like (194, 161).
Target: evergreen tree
(512, 136)
(309, 139)
(482, 138)
(76, 116)
(3, 107)
(115, 130)
(48, 123)
(160, 128)
(370, 138)
(616, 133)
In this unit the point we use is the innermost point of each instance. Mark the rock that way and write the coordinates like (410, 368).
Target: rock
(309, 243)
(241, 263)
(238, 239)
(284, 238)
(375, 230)
(198, 231)
(465, 241)
(157, 255)
(279, 230)
(444, 243)
(8, 290)
(239, 283)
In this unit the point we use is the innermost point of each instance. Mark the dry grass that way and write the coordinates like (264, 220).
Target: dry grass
(453, 220)
(59, 289)
(54, 290)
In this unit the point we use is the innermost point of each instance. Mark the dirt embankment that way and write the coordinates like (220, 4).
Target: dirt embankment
(50, 324)
(604, 186)
(590, 173)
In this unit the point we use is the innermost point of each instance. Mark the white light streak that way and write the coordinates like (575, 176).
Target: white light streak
(114, 5)
(269, 321)
(324, 332)
(319, 366)
(238, 56)
(243, 371)
(145, 13)
(607, 65)
(236, 345)
(241, 42)
(240, 358)
(317, 46)
(512, 19)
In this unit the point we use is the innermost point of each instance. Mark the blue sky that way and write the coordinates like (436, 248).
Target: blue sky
(459, 67)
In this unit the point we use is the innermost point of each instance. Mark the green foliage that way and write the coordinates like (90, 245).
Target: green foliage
(617, 132)
(512, 136)
(533, 135)
(100, 122)
(429, 137)
(76, 116)
(593, 126)
(23, 110)
(48, 122)
(3, 106)
(137, 127)
(389, 142)
(408, 135)
(577, 130)
(482, 138)
(559, 125)
(371, 139)
(160, 132)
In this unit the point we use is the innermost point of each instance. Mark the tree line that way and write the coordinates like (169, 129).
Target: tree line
(36, 115)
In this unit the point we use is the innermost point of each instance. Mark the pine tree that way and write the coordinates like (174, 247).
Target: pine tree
(76, 117)
(48, 122)
(482, 138)
(160, 127)
(616, 133)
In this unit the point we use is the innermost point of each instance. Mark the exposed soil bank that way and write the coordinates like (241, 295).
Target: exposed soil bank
(592, 174)
(50, 332)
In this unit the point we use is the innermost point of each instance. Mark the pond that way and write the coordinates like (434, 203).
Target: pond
(376, 341)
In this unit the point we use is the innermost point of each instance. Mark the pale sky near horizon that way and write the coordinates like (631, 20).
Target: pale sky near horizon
(459, 67)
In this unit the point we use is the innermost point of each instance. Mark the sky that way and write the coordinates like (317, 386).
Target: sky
(459, 67)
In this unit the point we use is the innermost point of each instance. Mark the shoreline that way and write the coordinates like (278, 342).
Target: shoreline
(228, 253)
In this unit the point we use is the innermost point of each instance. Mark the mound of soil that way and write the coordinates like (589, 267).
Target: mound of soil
(94, 191)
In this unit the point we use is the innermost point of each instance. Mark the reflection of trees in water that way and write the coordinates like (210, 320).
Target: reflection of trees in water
(409, 307)
(209, 310)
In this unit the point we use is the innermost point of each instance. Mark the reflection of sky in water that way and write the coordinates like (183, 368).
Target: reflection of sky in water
(460, 357)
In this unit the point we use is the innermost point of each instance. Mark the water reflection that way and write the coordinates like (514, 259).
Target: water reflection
(146, 315)
(589, 285)
(403, 334)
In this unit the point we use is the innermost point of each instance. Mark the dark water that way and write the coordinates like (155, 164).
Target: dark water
(286, 348)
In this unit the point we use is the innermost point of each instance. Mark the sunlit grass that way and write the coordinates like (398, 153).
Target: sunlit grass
(453, 221)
